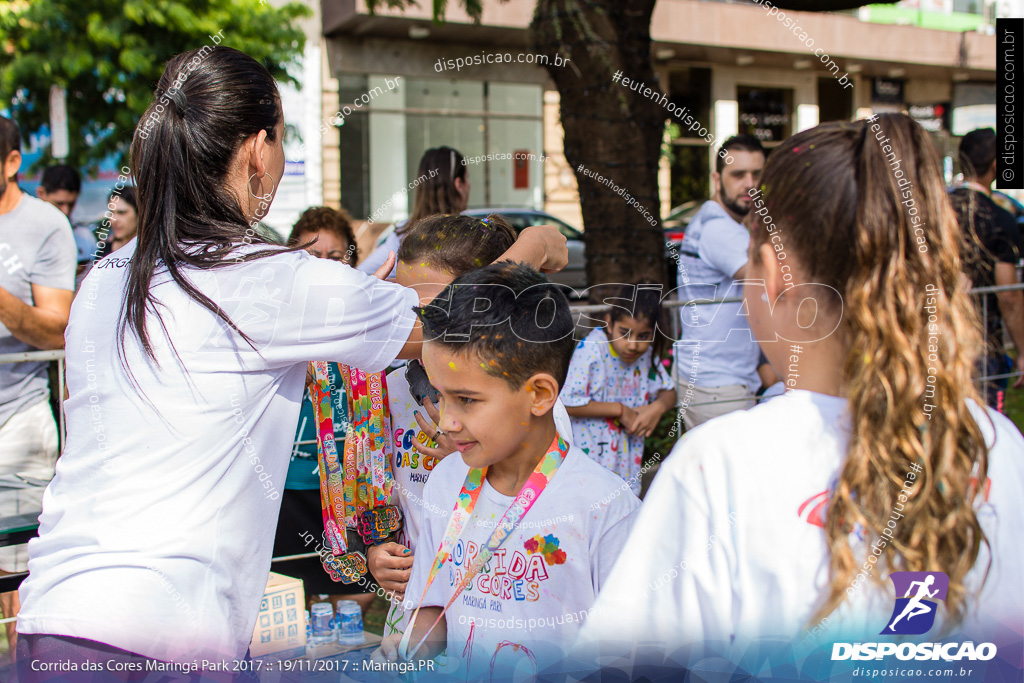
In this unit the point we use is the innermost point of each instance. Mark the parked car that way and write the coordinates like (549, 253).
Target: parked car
(674, 224)
(573, 275)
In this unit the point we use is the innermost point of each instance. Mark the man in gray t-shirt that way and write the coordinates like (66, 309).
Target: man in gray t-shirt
(37, 278)
(37, 267)
(716, 356)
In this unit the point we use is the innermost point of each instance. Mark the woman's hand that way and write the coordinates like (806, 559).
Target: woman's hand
(390, 563)
(445, 444)
(542, 246)
(384, 271)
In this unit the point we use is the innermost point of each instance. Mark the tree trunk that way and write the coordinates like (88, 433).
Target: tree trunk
(610, 130)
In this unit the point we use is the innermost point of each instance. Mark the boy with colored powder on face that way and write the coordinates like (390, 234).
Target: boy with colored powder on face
(520, 553)
(435, 250)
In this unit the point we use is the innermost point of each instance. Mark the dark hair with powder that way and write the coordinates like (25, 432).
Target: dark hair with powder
(457, 244)
(641, 301)
(526, 327)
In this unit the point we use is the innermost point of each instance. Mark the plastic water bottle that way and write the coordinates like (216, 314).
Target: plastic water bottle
(322, 614)
(350, 623)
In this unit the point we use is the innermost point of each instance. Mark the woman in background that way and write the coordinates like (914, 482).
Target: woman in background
(124, 223)
(443, 188)
(325, 233)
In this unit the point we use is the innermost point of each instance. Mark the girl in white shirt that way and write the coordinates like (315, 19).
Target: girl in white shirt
(788, 521)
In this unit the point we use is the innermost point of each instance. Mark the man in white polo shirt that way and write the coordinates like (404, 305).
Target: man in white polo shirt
(716, 355)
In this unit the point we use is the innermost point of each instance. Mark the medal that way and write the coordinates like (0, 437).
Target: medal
(377, 524)
(347, 568)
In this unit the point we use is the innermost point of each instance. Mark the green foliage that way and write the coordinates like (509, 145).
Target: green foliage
(108, 55)
(672, 131)
(659, 444)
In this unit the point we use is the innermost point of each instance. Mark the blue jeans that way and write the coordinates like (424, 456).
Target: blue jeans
(994, 391)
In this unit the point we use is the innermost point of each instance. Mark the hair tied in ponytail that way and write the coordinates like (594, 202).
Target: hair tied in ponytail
(179, 99)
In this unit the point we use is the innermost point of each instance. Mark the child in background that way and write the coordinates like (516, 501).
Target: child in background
(300, 502)
(524, 514)
(617, 388)
(434, 251)
(792, 518)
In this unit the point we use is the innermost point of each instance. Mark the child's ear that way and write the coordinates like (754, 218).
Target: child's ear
(544, 391)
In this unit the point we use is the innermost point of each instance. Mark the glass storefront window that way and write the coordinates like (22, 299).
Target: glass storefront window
(382, 143)
(690, 88)
(691, 174)
(432, 93)
(765, 113)
(464, 133)
(511, 181)
(514, 98)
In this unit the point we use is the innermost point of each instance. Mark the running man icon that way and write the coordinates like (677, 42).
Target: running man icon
(920, 591)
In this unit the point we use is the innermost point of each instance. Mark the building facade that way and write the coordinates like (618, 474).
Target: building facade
(395, 84)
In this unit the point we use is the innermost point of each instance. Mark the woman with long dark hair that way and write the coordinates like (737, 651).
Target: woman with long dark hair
(442, 186)
(187, 353)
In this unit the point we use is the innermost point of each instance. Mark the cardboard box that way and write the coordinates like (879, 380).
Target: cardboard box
(280, 631)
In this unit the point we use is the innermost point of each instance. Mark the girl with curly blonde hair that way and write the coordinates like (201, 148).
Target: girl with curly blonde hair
(788, 520)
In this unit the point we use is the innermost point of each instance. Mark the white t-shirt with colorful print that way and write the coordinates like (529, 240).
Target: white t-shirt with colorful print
(598, 374)
(411, 469)
(527, 604)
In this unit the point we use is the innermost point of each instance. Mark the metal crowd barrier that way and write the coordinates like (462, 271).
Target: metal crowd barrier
(20, 528)
(675, 325)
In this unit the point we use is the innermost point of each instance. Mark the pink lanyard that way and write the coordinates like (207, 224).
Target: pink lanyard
(528, 495)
